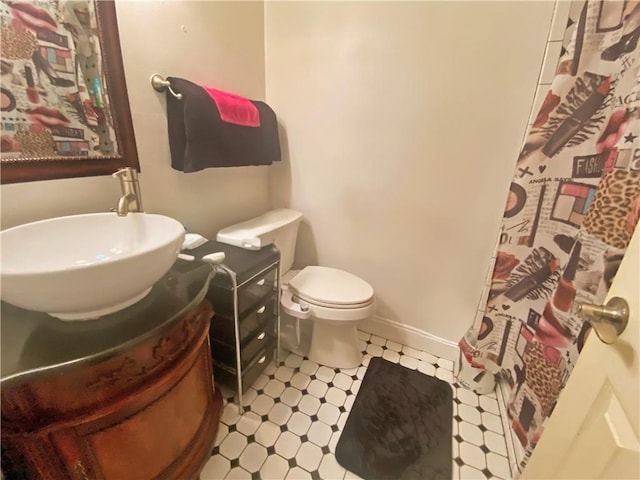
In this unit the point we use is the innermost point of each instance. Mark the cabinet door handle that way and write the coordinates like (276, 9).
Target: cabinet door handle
(262, 309)
(264, 357)
(261, 336)
(261, 282)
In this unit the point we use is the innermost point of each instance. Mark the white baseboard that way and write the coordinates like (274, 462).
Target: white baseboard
(411, 337)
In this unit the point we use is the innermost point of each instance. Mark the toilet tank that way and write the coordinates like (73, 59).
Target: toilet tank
(278, 226)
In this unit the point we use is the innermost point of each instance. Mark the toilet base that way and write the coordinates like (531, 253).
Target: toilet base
(335, 345)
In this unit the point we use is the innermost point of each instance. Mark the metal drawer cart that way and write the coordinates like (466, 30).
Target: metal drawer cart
(245, 330)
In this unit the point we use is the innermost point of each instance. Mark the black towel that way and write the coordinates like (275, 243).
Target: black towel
(199, 138)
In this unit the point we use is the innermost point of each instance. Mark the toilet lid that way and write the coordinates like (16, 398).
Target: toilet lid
(330, 286)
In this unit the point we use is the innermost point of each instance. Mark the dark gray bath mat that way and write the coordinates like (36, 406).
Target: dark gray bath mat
(399, 426)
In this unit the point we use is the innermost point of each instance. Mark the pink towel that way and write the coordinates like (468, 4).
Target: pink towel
(234, 108)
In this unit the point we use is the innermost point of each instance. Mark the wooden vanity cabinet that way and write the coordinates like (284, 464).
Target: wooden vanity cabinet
(149, 411)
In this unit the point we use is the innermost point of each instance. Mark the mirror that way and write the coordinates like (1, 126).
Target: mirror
(64, 104)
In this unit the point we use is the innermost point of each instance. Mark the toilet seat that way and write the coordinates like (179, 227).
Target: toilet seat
(331, 305)
(328, 294)
(331, 288)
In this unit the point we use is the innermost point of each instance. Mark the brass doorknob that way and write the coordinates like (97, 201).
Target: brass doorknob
(609, 321)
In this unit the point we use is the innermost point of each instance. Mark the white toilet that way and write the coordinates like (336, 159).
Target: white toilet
(333, 299)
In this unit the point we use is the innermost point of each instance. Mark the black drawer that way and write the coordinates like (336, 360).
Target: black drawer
(223, 374)
(249, 350)
(250, 295)
(222, 326)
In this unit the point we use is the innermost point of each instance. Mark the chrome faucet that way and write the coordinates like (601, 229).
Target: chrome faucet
(131, 200)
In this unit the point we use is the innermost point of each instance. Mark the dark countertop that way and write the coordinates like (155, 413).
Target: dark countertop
(34, 342)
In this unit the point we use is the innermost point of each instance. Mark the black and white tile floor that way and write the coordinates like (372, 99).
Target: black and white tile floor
(294, 415)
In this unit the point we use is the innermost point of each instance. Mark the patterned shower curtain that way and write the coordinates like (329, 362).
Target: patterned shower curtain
(572, 207)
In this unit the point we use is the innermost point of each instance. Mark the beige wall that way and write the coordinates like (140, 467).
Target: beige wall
(563, 11)
(219, 43)
(403, 122)
(400, 126)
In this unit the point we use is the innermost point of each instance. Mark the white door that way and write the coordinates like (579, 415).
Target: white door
(593, 431)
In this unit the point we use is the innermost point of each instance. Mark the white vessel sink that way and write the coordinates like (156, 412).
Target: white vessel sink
(82, 267)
